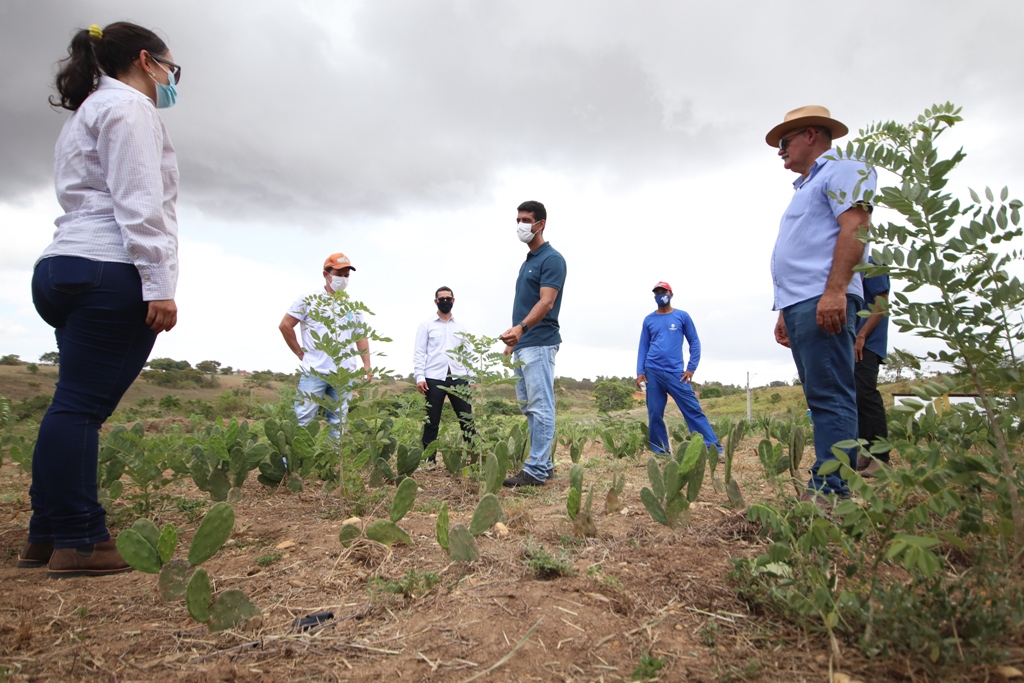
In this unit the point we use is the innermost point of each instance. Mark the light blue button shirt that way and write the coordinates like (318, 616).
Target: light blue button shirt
(809, 230)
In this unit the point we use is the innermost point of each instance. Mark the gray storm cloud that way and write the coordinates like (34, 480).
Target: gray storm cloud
(377, 107)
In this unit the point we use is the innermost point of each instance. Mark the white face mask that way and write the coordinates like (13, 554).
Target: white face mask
(339, 283)
(525, 232)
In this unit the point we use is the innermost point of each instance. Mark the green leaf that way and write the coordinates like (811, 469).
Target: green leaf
(828, 467)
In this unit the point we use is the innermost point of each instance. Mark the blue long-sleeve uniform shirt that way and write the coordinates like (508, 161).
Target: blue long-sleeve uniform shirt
(661, 343)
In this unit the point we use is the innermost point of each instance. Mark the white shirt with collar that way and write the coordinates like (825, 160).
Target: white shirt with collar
(116, 175)
(434, 339)
(345, 329)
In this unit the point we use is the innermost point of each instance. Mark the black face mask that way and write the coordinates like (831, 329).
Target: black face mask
(445, 307)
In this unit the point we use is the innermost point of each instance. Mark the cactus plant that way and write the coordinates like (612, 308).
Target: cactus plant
(488, 513)
(462, 545)
(583, 522)
(229, 609)
(199, 595)
(387, 532)
(224, 460)
(441, 528)
(732, 487)
(453, 460)
(501, 454)
(796, 454)
(405, 497)
(407, 460)
(572, 504)
(518, 447)
(150, 550)
(212, 533)
(665, 500)
(292, 455)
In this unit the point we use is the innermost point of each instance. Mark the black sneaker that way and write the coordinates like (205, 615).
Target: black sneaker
(522, 479)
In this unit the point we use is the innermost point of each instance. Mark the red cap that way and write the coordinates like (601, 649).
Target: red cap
(663, 285)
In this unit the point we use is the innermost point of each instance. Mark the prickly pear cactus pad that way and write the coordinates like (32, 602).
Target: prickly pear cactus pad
(212, 533)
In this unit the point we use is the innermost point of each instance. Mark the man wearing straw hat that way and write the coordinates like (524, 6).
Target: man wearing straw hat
(817, 293)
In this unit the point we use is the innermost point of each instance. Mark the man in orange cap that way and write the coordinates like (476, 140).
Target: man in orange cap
(817, 293)
(316, 363)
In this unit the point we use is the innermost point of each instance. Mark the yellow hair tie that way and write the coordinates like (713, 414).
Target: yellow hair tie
(95, 32)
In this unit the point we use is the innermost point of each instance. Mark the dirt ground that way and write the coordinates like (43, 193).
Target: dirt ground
(637, 587)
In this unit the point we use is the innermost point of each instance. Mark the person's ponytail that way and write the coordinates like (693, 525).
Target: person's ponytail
(94, 52)
(78, 73)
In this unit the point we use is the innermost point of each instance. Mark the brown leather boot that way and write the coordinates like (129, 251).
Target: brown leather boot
(34, 555)
(87, 560)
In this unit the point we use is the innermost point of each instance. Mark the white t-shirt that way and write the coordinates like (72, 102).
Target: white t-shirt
(314, 359)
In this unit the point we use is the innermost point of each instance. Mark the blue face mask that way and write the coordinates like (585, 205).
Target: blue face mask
(662, 299)
(166, 95)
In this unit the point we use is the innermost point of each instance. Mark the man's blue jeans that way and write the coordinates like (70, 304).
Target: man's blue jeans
(825, 365)
(99, 320)
(536, 393)
(659, 386)
(306, 409)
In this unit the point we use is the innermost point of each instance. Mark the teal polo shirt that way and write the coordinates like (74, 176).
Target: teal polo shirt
(544, 267)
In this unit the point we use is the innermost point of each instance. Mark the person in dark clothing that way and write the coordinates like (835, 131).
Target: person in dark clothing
(870, 350)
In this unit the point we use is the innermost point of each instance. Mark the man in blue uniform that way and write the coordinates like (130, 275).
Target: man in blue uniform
(817, 292)
(870, 349)
(659, 365)
(533, 340)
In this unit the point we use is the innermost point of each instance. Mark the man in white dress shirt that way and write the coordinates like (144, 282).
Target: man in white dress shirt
(316, 363)
(435, 369)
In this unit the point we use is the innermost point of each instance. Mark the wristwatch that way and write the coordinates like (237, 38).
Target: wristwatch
(524, 326)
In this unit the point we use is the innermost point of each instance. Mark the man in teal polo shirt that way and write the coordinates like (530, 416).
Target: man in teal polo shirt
(533, 340)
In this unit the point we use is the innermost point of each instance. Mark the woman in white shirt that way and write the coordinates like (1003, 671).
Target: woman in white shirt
(106, 283)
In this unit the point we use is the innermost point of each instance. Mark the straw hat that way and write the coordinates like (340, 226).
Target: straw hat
(811, 115)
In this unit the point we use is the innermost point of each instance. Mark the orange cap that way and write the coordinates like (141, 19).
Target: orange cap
(337, 261)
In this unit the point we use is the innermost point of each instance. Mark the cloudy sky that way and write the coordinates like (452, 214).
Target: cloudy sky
(405, 133)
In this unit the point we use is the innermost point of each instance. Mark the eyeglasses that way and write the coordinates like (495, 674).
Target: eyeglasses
(445, 300)
(175, 69)
(784, 142)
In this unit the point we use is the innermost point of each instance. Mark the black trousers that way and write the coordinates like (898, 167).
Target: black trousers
(870, 408)
(435, 402)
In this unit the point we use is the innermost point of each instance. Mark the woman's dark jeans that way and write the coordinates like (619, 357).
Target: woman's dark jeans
(99, 318)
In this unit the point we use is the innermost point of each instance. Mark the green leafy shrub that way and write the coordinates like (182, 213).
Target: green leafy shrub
(32, 408)
(614, 394)
(544, 565)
